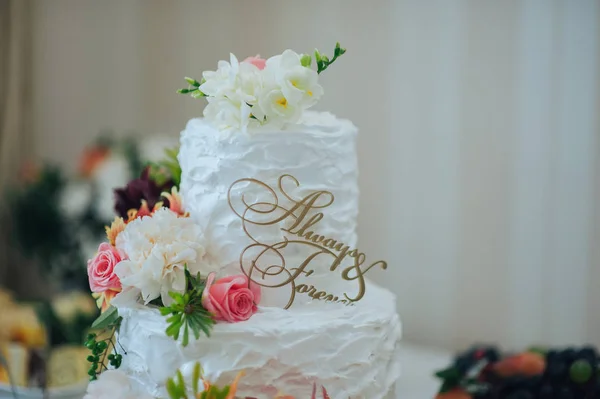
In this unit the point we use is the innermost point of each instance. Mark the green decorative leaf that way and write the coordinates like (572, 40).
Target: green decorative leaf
(107, 318)
(100, 349)
(449, 373)
(187, 312)
(197, 374)
(173, 389)
(216, 393)
(193, 88)
(323, 61)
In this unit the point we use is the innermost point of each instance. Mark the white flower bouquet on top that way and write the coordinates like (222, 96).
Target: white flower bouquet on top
(259, 93)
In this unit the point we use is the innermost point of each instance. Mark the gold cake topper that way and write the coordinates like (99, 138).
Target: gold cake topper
(262, 261)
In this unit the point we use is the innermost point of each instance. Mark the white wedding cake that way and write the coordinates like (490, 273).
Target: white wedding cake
(276, 205)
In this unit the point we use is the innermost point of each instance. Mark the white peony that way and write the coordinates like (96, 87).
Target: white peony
(158, 249)
(298, 83)
(115, 384)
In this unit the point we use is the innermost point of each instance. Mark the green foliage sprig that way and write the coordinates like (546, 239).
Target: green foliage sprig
(323, 62)
(193, 89)
(187, 312)
(102, 355)
(176, 387)
(167, 169)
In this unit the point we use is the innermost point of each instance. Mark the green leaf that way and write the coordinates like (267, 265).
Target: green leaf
(165, 311)
(107, 318)
(186, 334)
(173, 330)
(177, 297)
(172, 389)
(180, 381)
(176, 318)
(449, 373)
(196, 375)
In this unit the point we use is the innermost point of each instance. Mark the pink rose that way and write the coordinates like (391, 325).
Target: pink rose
(258, 62)
(101, 269)
(231, 298)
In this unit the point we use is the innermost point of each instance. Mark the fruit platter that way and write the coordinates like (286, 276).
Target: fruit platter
(483, 372)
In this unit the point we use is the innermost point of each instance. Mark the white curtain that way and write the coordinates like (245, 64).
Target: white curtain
(497, 140)
(479, 145)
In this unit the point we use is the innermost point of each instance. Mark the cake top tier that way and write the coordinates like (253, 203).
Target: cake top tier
(217, 169)
(258, 94)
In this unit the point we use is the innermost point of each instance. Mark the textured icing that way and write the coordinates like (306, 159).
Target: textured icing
(351, 350)
(320, 152)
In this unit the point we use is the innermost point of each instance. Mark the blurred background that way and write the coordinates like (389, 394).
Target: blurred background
(479, 145)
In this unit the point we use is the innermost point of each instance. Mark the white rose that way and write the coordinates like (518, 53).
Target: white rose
(115, 384)
(298, 84)
(159, 248)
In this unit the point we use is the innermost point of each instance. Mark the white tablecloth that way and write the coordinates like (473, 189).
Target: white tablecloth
(418, 365)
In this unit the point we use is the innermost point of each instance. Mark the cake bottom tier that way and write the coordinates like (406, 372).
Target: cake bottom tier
(350, 350)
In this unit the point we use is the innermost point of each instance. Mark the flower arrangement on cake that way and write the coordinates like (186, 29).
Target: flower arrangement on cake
(261, 94)
(114, 384)
(155, 256)
(484, 373)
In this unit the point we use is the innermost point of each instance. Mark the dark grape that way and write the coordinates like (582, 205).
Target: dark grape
(546, 392)
(588, 353)
(462, 363)
(556, 370)
(565, 393)
(569, 355)
(551, 355)
(492, 355)
(521, 394)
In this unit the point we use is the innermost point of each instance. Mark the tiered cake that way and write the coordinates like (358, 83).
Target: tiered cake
(278, 207)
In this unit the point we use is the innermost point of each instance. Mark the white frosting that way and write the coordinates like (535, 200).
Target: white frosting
(351, 350)
(320, 153)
